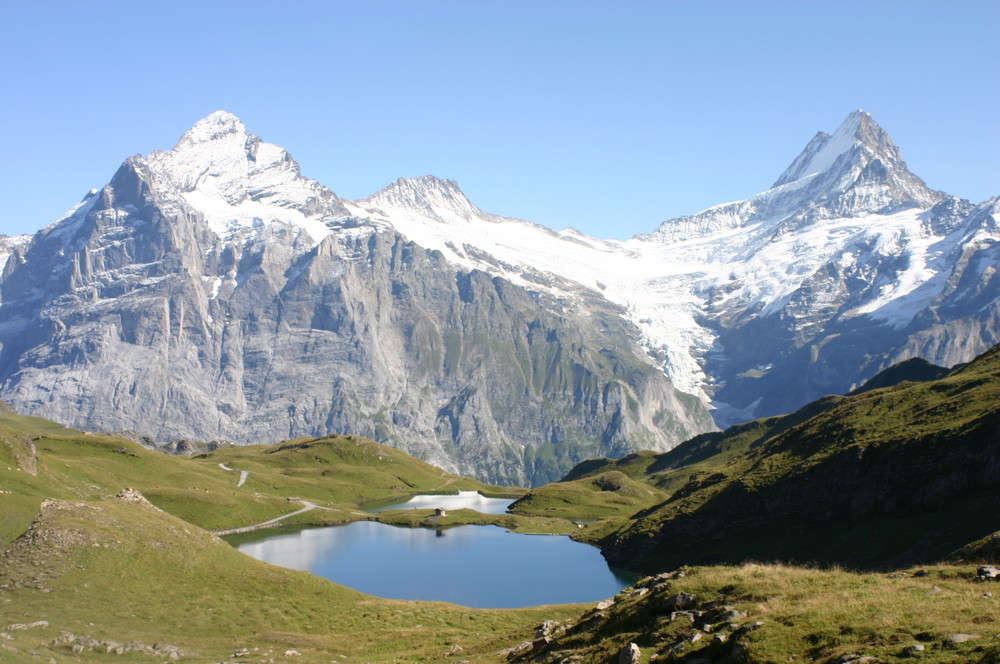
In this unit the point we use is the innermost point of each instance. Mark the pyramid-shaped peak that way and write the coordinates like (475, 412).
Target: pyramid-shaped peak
(860, 126)
(858, 131)
(428, 195)
(212, 127)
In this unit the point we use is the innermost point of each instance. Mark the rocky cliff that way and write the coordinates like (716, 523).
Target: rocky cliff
(212, 293)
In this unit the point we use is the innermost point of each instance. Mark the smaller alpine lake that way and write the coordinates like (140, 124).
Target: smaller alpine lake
(475, 566)
(472, 500)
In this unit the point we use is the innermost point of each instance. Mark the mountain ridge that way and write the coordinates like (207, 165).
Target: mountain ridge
(166, 306)
(219, 253)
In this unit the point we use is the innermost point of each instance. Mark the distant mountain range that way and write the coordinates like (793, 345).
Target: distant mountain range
(212, 292)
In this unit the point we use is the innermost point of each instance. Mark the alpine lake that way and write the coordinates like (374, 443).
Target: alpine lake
(474, 566)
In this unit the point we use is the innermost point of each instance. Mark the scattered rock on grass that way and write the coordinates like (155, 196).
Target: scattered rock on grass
(987, 573)
(511, 653)
(37, 623)
(630, 654)
(681, 601)
(546, 628)
(962, 638)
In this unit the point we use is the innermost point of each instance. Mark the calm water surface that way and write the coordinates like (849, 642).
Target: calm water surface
(477, 566)
(472, 500)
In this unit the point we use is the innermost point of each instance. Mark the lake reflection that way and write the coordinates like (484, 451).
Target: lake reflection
(472, 500)
(477, 566)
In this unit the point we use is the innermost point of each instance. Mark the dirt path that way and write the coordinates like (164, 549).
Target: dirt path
(270, 522)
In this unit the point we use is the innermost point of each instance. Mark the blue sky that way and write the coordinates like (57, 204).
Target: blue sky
(606, 116)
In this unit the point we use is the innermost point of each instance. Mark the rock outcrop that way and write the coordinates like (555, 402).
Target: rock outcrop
(212, 293)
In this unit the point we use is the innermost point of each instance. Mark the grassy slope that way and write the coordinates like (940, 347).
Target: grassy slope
(788, 614)
(126, 572)
(121, 571)
(893, 475)
(154, 577)
(40, 459)
(897, 474)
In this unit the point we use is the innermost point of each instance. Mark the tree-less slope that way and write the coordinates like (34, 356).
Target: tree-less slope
(892, 476)
(104, 575)
(40, 459)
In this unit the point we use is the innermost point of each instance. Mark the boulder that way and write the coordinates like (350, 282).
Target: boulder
(680, 601)
(630, 654)
(987, 573)
(962, 638)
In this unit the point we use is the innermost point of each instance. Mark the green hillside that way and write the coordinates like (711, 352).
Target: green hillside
(771, 614)
(121, 571)
(884, 478)
(40, 459)
(894, 476)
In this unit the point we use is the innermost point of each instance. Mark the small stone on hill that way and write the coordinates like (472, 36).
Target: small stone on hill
(130, 495)
(681, 601)
(630, 654)
(962, 638)
(546, 628)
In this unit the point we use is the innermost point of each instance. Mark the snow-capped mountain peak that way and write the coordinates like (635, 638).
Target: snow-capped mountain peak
(427, 195)
(235, 179)
(860, 163)
(823, 151)
(212, 291)
(213, 127)
(217, 156)
(857, 170)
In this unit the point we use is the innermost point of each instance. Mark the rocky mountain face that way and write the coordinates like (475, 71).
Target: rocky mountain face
(10, 244)
(211, 292)
(848, 264)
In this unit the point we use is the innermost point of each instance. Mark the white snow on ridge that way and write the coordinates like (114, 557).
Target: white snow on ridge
(10, 244)
(236, 180)
(662, 286)
(225, 218)
(824, 150)
(733, 257)
(650, 283)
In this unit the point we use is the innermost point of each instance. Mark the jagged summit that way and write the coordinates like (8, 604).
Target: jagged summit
(430, 195)
(860, 160)
(217, 156)
(855, 171)
(212, 127)
(824, 149)
(234, 178)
